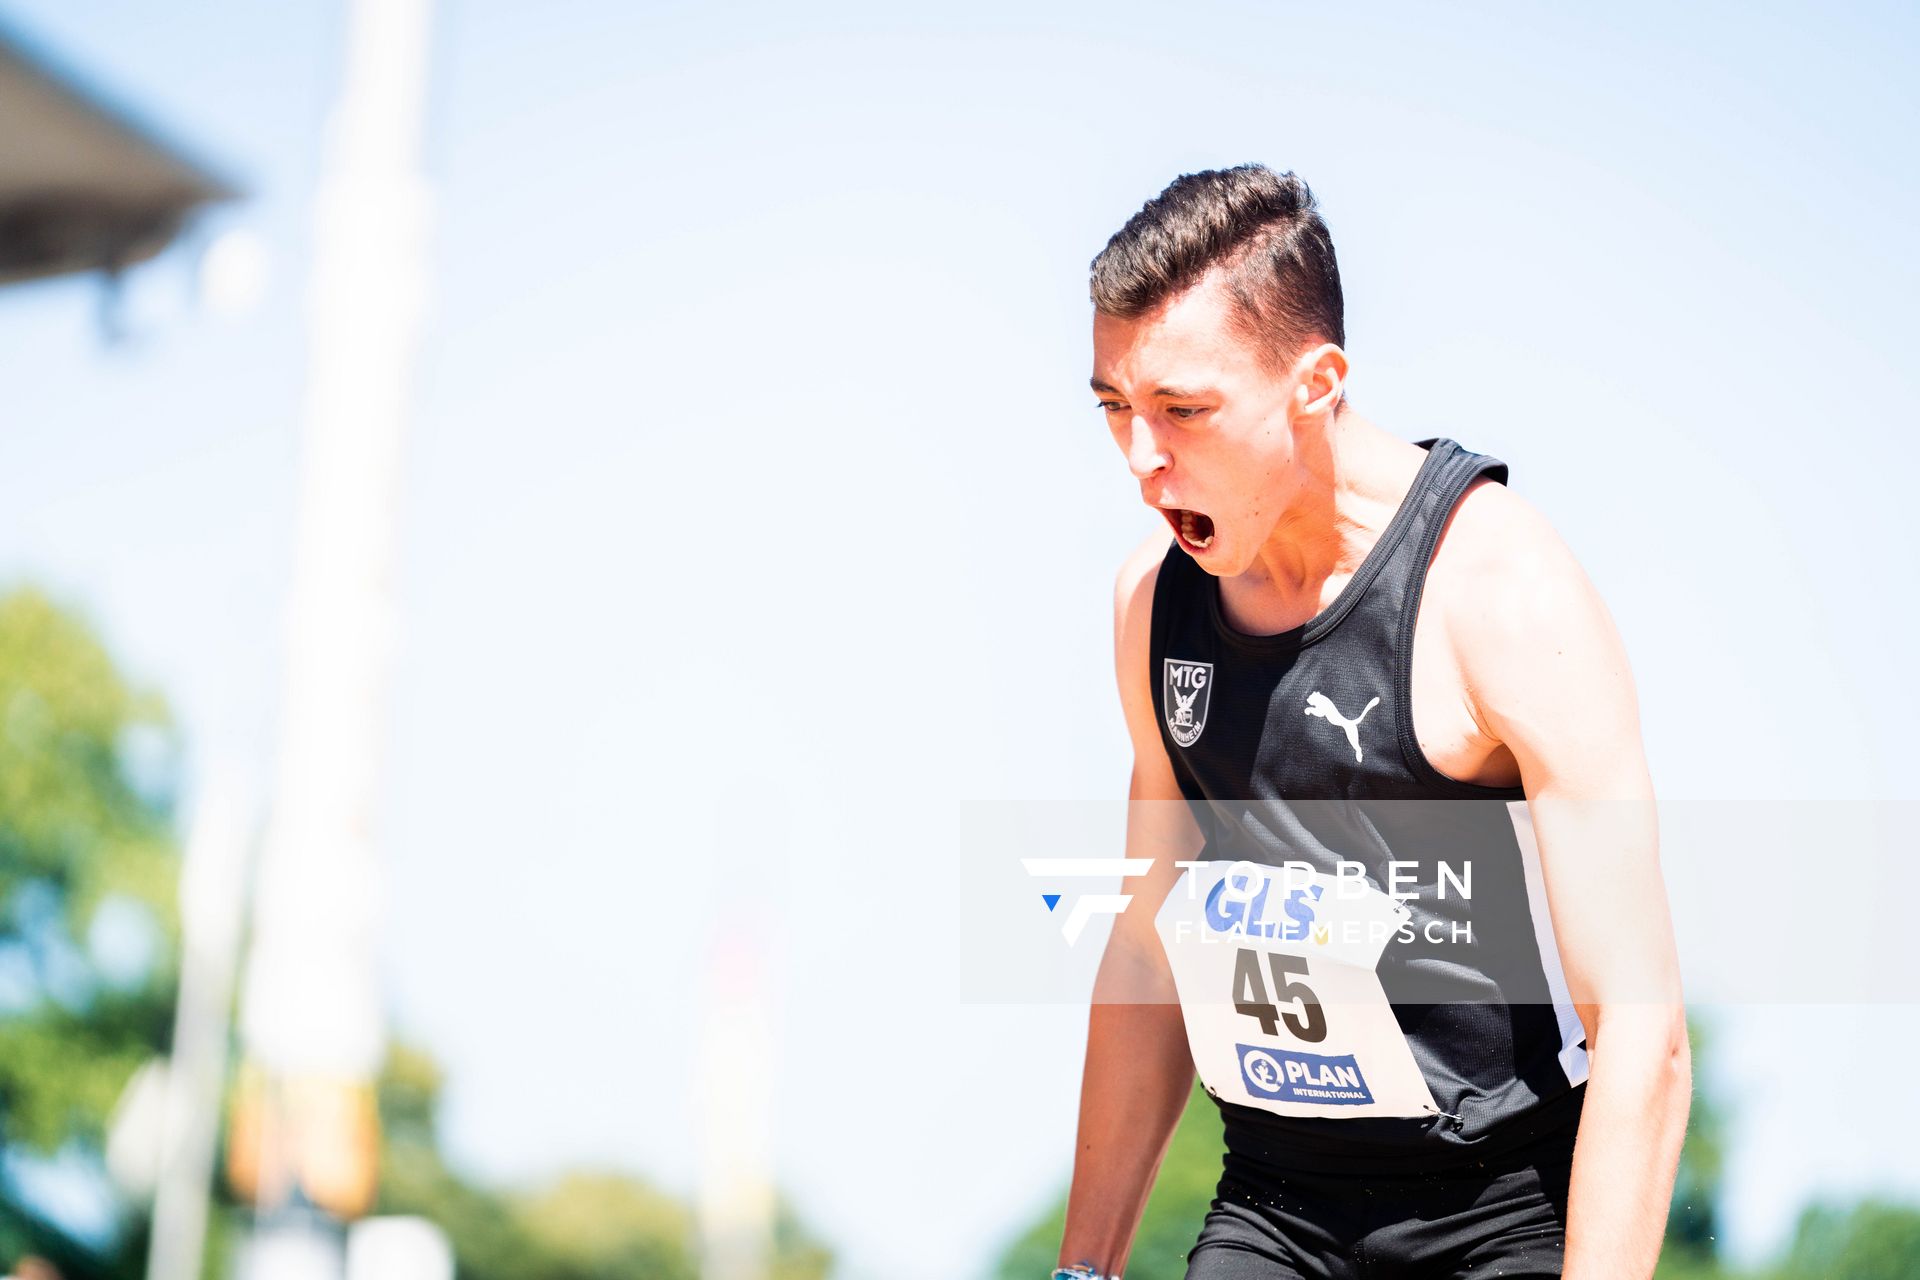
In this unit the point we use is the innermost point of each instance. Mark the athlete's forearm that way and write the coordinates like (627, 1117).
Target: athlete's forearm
(1639, 1090)
(1137, 1078)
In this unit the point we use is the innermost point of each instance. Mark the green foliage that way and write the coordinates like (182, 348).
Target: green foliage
(616, 1226)
(600, 1226)
(584, 1226)
(1675, 1265)
(1182, 1192)
(88, 938)
(78, 830)
(1872, 1240)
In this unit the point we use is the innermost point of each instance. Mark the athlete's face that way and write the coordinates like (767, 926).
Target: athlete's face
(1207, 428)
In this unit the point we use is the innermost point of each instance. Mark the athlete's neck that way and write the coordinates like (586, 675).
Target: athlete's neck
(1342, 490)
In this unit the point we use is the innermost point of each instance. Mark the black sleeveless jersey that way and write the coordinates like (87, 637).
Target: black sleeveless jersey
(1302, 748)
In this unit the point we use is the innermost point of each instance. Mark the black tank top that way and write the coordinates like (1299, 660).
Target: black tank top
(1303, 748)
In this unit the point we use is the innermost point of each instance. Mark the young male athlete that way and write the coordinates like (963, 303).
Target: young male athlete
(1404, 913)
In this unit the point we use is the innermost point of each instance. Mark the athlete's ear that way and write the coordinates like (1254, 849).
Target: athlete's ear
(1323, 375)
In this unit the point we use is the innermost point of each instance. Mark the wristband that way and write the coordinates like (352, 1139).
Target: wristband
(1080, 1271)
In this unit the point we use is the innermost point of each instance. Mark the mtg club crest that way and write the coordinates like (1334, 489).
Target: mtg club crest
(1189, 687)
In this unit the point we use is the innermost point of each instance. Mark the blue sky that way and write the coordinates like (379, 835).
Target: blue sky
(752, 330)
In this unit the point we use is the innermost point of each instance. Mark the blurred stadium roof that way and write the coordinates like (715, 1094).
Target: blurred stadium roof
(83, 187)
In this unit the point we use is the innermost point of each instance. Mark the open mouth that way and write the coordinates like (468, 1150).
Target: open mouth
(1194, 528)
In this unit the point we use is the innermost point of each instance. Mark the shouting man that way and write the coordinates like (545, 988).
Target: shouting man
(1404, 914)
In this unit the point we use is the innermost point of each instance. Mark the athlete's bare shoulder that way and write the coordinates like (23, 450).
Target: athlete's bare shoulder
(1499, 552)
(1522, 617)
(1491, 526)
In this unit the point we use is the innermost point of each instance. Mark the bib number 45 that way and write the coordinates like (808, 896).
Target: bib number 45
(1251, 996)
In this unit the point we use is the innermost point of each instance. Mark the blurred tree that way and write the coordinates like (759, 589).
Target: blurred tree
(87, 925)
(584, 1226)
(1872, 1240)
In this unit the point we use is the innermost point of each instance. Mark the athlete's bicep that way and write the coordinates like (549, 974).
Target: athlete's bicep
(1552, 682)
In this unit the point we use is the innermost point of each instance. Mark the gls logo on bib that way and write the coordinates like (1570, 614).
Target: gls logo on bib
(1189, 688)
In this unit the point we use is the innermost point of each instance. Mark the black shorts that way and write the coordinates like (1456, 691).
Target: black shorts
(1509, 1221)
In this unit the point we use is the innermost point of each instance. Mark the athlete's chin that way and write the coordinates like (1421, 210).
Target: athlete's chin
(1218, 557)
(1205, 552)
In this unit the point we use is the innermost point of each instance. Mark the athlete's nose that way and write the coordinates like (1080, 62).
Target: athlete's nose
(1145, 457)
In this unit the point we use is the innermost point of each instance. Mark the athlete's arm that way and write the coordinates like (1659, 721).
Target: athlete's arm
(1138, 1071)
(1549, 678)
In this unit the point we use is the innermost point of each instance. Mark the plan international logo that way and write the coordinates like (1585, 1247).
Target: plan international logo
(1290, 1076)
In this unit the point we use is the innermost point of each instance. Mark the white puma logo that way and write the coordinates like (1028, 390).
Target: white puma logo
(1319, 704)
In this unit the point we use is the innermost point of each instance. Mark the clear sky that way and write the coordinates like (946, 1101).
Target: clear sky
(759, 522)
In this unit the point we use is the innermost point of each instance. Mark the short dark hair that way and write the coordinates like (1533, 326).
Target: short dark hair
(1262, 228)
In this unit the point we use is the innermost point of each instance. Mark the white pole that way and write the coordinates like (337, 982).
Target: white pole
(212, 897)
(736, 1066)
(311, 1006)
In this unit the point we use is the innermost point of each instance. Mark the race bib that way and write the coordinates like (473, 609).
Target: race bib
(1284, 1011)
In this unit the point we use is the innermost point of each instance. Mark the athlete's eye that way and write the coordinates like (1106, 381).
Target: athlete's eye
(1112, 406)
(1184, 412)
